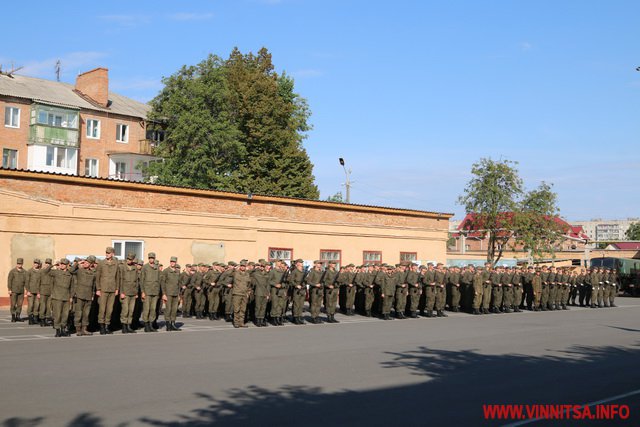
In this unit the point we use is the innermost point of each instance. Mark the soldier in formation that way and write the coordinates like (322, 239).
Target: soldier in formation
(63, 294)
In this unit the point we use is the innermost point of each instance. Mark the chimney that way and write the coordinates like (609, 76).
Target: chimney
(94, 84)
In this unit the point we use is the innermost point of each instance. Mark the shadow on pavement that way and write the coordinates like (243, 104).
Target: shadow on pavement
(452, 389)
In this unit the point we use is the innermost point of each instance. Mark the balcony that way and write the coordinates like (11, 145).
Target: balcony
(49, 135)
(147, 146)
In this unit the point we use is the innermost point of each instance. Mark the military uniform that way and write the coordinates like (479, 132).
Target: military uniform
(150, 286)
(240, 292)
(429, 283)
(536, 289)
(278, 290)
(368, 291)
(413, 282)
(441, 293)
(226, 283)
(44, 293)
(16, 283)
(454, 290)
(331, 291)
(477, 288)
(196, 283)
(33, 289)
(187, 291)
(107, 283)
(83, 291)
(516, 281)
(496, 291)
(129, 289)
(299, 291)
(346, 280)
(401, 292)
(487, 290)
(387, 286)
(507, 291)
(211, 279)
(261, 290)
(170, 287)
(544, 293)
(62, 283)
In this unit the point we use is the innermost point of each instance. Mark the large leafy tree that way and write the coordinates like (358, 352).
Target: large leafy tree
(633, 232)
(503, 212)
(236, 125)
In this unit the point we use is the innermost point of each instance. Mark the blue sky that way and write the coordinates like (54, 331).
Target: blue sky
(410, 93)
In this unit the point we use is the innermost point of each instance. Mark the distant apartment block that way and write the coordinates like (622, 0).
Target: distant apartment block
(600, 230)
(82, 129)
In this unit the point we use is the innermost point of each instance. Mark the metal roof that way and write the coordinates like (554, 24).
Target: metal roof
(63, 94)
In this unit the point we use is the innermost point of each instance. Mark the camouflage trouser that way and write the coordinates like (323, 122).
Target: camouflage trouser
(612, 294)
(149, 308)
(369, 298)
(387, 303)
(16, 303)
(553, 294)
(171, 308)
(455, 296)
(82, 310)
(60, 313)
(214, 300)
(260, 310)
(239, 308)
(441, 297)
(45, 306)
(187, 301)
(278, 298)
(430, 298)
(127, 304)
(496, 296)
(298, 298)
(200, 299)
(600, 295)
(414, 298)
(544, 297)
(331, 296)
(517, 296)
(486, 296)
(33, 305)
(350, 296)
(228, 302)
(315, 300)
(507, 296)
(477, 297)
(105, 308)
(605, 293)
(401, 299)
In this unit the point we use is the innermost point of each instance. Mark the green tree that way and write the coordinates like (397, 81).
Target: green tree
(234, 125)
(633, 232)
(503, 212)
(336, 198)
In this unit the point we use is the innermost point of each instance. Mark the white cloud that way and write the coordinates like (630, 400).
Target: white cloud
(191, 16)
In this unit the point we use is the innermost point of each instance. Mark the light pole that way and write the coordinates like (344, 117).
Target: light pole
(347, 183)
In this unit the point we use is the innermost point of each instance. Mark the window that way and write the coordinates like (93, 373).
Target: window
(280, 253)
(124, 247)
(9, 158)
(57, 118)
(372, 257)
(327, 255)
(122, 133)
(155, 135)
(93, 128)
(12, 117)
(61, 157)
(91, 167)
(121, 170)
(408, 256)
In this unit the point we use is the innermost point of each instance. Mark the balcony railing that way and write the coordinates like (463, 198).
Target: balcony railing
(40, 134)
(147, 146)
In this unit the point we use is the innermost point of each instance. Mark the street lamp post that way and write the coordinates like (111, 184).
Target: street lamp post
(347, 184)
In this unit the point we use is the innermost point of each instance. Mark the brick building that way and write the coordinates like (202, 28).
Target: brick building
(44, 215)
(81, 129)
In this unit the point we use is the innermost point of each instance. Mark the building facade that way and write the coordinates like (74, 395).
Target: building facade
(601, 230)
(82, 129)
(43, 215)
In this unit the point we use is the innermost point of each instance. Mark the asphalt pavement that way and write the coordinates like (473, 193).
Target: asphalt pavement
(362, 371)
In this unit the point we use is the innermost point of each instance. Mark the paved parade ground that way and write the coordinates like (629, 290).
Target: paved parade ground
(362, 371)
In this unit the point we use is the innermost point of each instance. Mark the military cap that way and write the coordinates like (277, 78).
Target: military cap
(174, 259)
(110, 250)
(48, 261)
(64, 261)
(251, 263)
(298, 260)
(151, 255)
(188, 265)
(261, 260)
(76, 259)
(200, 264)
(19, 261)
(178, 266)
(139, 262)
(36, 261)
(351, 265)
(317, 261)
(243, 263)
(91, 258)
(332, 262)
(232, 263)
(131, 256)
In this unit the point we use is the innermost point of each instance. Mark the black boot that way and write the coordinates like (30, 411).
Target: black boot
(414, 314)
(429, 313)
(58, 332)
(19, 319)
(175, 327)
(103, 329)
(368, 313)
(125, 328)
(476, 311)
(167, 326)
(31, 322)
(13, 318)
(147, 327)
(333, 316)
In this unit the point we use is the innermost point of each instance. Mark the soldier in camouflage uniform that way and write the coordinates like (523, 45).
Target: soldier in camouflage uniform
(487, 288)
(441, 290)
(261, 290)
(187, 290)
(477, 284)
(170, 287)
(107, 286)
(211, 279)
(129, 289)
(83, 291)
(44, 294)
(415, 289)
(16, 283)
(150, 287)
(33, 288)
(278, 290)
(331, 291)
(401, 291)
(299, 291)
(62, 283)
(240, 294)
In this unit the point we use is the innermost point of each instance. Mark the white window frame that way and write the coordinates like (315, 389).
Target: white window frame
(97, 167)
(93, 128)
(11, 125)
(117, 173)
(119, 133)
(16, 158)
(327, 255)
(67, 161)
(280, 253)
(122, 245)
(408, 256)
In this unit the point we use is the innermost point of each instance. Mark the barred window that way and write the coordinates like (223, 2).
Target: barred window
(372, 257)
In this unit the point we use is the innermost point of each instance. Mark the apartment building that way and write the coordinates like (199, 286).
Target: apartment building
(82, 129)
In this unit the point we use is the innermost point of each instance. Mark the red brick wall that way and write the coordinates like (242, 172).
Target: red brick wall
(16, 139)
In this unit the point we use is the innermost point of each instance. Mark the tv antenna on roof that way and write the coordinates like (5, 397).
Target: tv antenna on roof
(10, 72)
(58, 68)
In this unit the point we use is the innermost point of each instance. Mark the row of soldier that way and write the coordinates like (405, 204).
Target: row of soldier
(65, 292)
